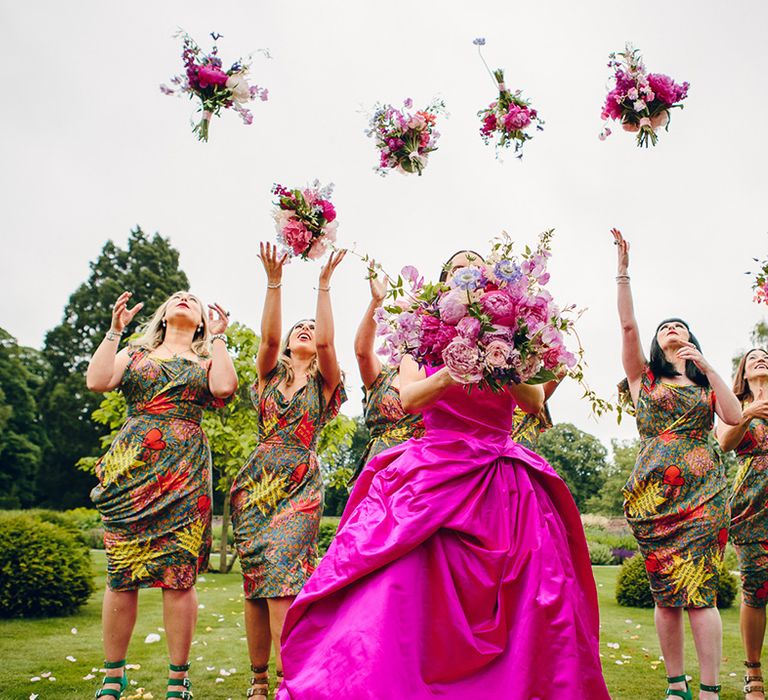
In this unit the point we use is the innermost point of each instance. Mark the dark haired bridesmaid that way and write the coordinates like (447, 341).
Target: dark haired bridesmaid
(749, 508)
(277, 497)
(675, 498)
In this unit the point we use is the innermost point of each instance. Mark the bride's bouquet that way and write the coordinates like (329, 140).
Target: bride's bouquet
(493, 324)
(404, 139)
(204, 78)
(641, 101)
(305, 220)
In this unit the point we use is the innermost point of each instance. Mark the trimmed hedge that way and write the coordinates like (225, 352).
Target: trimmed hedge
(633, 589)
(45, 569)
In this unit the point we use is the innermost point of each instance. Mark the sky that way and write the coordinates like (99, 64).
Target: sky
(90, 148)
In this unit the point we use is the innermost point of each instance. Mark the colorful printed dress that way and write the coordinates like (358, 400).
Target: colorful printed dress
(154, 491)
(675, 500)
(527, 427)
(277, 497)
(387, 422)
(749, 513)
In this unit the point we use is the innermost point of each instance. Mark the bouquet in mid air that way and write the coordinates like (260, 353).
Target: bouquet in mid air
(493, 323)
(217, 88)
(305, 220)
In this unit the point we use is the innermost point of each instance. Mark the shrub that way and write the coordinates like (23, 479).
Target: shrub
(613, 540)
(44, 568)
(85, 519)
(325, 536)
(730, 558)
(634, 590)
(620, 554)
(591, 520)
(94, 538)
(600, 554)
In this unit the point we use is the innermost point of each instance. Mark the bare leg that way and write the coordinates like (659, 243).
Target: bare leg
(707, 630)
(278, 608)
(752, 622)
(180, 620)
(669, 628)
(118, 617)
(259, 640)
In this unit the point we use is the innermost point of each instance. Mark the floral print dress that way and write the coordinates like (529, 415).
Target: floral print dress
(387, 422)
(527, 427)
(154, 491)
(277, 497)
(749, 513)
(675, 500)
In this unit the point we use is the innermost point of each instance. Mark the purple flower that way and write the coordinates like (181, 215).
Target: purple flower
(411, 274)
(467, 278)
(480, 41)
(507, 271)
(462, 358)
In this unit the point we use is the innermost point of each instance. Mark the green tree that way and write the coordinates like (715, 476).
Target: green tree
(148, 267)
(340, 447)
(22, 437)
(578, 457)
(609, 500)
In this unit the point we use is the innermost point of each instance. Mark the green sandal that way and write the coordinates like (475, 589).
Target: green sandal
(121, 680)
(677, 692)
(259, 686)
(185, 694)
(710, 689)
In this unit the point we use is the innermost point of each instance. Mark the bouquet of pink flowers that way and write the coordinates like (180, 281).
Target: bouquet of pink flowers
(404, 139)
(640, 100)
(204, 78)
(760, 283)
(305, 220)
(506, 119)
(493, 324)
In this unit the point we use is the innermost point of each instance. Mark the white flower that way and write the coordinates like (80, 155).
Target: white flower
(639, 106)
(238, 86)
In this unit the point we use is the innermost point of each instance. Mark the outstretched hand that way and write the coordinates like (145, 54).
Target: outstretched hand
(622, 250)
(273, 262)
(331, 264)
(121, 314)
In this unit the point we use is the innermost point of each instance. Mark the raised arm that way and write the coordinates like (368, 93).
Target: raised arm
(417, 390)
(105, 370)
(222, 377)
(367, 362)
(632, 356)
(271, 320)
(327, 361)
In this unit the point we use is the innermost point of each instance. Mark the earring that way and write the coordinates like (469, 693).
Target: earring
(200, 328)
(164, 323)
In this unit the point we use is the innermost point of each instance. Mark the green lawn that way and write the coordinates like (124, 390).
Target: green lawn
(32, 648)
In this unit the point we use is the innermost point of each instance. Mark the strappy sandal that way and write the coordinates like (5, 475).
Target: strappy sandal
(259, 686)
(753, 684)
(278, 680)
(122, 681)
(185, 694)
(710, 689)
(679, 692)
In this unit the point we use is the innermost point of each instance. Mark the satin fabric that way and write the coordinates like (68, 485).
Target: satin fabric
(460, 570)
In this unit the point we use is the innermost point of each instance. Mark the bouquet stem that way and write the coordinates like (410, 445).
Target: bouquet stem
(202, 127)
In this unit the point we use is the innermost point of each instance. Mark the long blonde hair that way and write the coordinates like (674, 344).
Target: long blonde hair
(152, 333)
(285, 356)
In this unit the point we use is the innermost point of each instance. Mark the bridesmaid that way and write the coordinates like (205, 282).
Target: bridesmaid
(277, 497)
(154, 491)
(675, 498)
(387, 422)
(749, 507)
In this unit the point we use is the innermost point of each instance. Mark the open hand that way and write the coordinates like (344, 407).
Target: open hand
(331, 264)
(378, 286)
(121, 314)
(218, 319)
(622, 250)
(273, 262)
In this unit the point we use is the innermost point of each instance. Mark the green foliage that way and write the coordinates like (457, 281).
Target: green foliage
(600, 554)
(148, 267)
(22, 436)
(634, 590)
(578, 457)
(44, 568)
(609, 500)
(328, 527)
(612, 540)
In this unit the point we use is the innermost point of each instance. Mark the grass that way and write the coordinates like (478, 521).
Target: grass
(30, 648)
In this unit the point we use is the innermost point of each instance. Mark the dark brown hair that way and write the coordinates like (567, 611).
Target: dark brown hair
(740, 384)
(446, 267)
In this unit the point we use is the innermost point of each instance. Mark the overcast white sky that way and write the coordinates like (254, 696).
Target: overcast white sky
(90, 148)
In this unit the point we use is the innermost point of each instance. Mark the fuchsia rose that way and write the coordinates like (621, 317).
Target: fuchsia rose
(453, 306)
(329, 211)
(499, 306)
(462, 359)
(210, 75)
(469, 327)
(296, 236)
(497, 355)
(667, 90)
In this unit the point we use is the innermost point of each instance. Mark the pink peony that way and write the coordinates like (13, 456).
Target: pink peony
(516, 118)
(497, 355)
(469, 327)
(435, 336)
(318, 249)
(453, 306)
(462, 359)
(667, 90)
(329, 212)
(499, 306)
(210, 75)
(296, 236)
